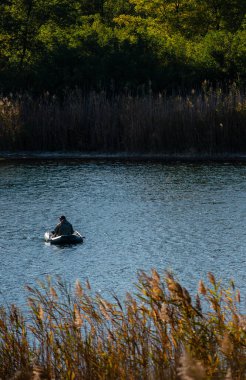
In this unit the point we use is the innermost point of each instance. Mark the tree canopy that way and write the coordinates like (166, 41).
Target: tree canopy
(58, 44)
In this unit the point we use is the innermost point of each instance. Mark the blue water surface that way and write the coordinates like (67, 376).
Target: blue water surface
(187, 218)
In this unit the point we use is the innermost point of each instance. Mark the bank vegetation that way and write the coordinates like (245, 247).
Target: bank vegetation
(205, 121)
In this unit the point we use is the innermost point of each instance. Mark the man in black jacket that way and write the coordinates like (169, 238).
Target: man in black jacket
(63, 228)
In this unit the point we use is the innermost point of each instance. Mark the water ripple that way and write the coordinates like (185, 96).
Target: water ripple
(186, 218)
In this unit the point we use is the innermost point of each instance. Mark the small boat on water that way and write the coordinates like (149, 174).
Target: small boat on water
(75, 238)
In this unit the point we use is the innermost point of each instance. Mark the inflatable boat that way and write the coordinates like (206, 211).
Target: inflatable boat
(75, 238)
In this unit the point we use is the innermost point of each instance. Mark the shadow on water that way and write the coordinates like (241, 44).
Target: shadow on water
(62, 247)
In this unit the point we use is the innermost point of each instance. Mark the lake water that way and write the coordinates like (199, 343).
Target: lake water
(188, 218)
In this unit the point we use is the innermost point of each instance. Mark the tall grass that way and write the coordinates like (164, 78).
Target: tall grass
(158, 332)
(208, 121)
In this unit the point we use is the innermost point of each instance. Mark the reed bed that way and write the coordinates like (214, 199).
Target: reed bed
(159, 332)
(207, 121)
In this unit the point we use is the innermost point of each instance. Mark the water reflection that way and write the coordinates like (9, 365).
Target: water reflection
(187, 218)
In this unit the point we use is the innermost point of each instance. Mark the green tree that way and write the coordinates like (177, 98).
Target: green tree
(21, 22)
(224, 14)
(193, 17)
(91, 7)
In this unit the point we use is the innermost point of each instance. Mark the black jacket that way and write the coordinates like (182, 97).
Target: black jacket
(63, 228)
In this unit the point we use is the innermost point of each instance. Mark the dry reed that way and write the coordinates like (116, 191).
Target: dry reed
(208, 121)
(157, 333)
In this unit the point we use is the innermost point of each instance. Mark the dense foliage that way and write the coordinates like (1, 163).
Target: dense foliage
(118, 44)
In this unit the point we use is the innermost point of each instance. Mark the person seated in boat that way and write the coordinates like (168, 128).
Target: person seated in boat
(63, 228)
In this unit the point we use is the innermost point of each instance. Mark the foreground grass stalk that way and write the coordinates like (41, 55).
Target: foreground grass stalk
(160, 332)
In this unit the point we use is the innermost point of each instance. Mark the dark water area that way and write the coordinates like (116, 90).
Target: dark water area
(183, 217)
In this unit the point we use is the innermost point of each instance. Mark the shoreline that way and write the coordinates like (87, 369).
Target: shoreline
(7, 156)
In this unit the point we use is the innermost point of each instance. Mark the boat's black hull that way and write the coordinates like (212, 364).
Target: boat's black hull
(75, 238)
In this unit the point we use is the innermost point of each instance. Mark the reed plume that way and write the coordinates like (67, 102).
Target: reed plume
(158, 332)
